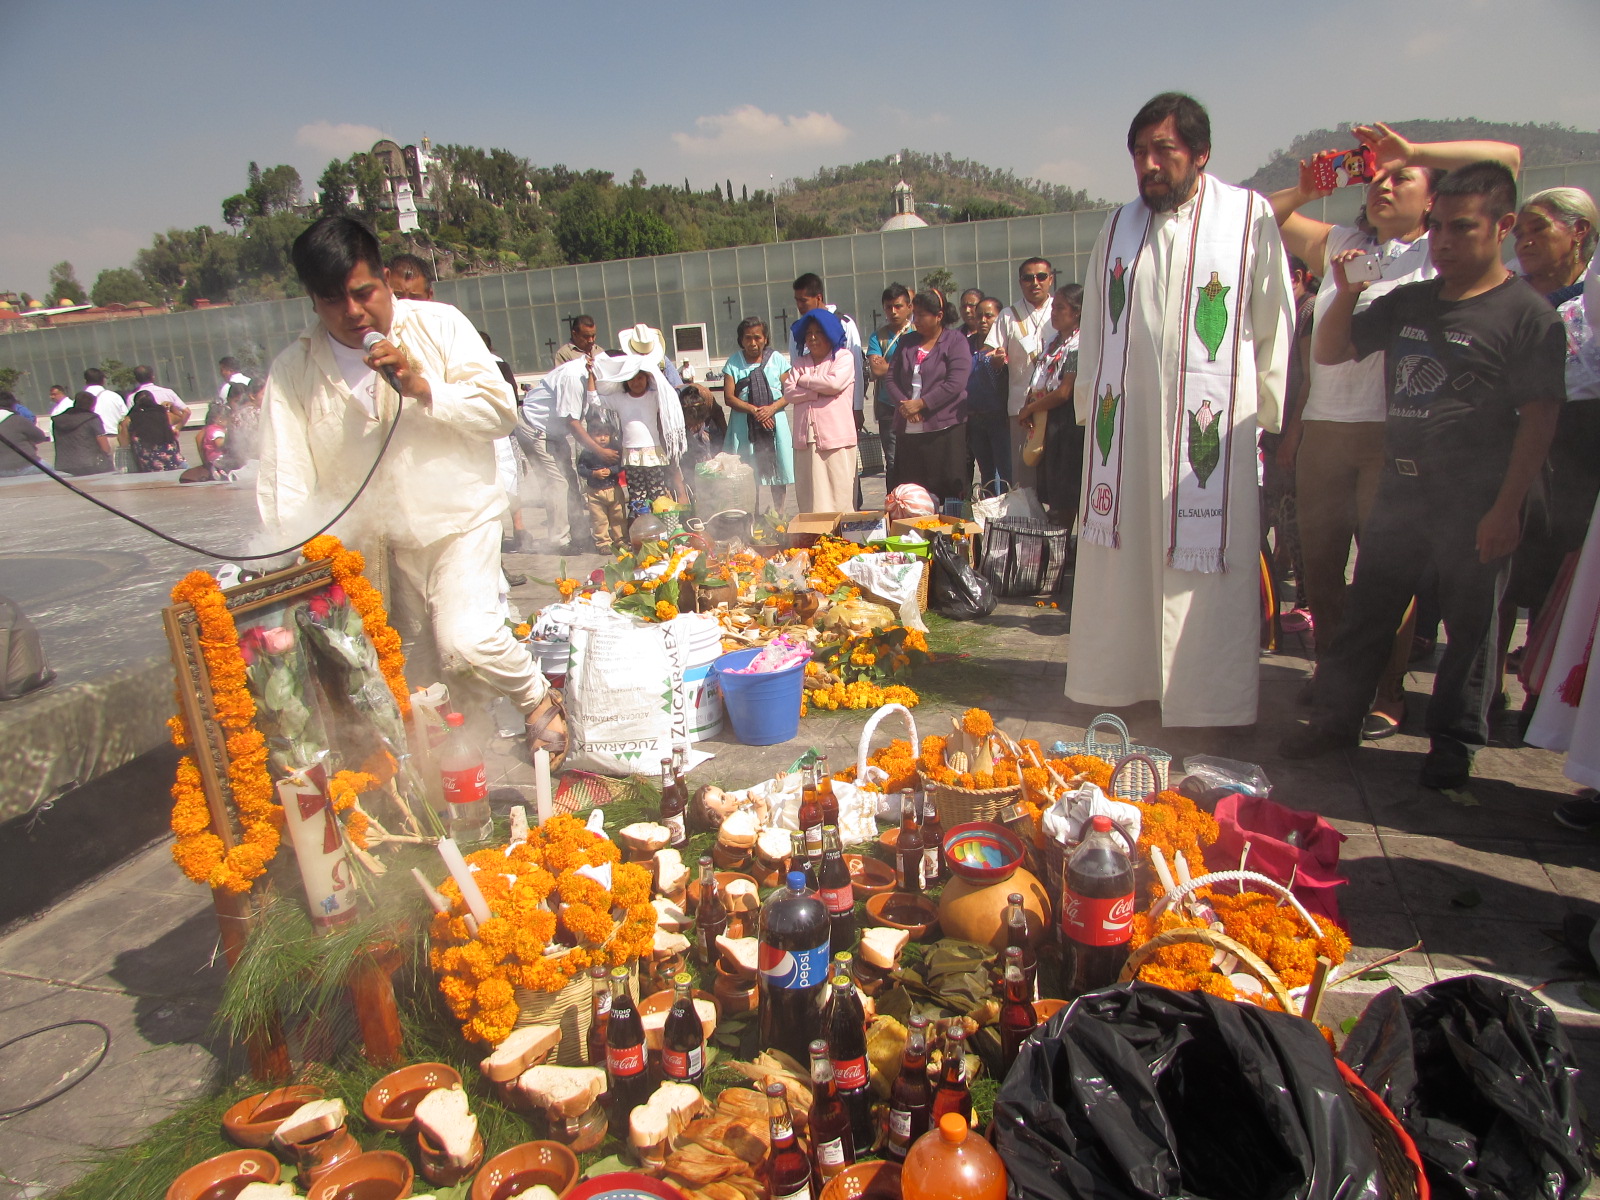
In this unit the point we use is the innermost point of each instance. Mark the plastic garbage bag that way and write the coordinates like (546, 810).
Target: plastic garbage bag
(1229, 773)
(1139, 1093)
(1484, 1080)
(956, 590)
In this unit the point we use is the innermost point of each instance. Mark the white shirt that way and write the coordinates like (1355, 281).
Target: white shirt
(166, 397)
(1354, 391)
(108, 406)
(361, 379)
(638, 417)
(236, 377)
(1021, 331)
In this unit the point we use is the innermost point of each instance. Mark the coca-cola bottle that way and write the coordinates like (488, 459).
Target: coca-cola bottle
(837, 892)
(810, 817)
(833, 1146)
(1017, 938)
(826, 800)
(934, 869)
(911, 1098)
(800, 861)
(625, 1053)
(674, 805)
(953, 1095)
(1096, 910)
(793, 961)
(787, 1173)
(683, 1037)
(909, 863)
(1017, 1017)
(601, 1012)
(466, 784)
(711, 917)
(847, 1043)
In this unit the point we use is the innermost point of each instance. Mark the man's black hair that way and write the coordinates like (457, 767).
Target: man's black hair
(95, 376)
(7, 400)
(331, 248)
(1494, 182)
(809, 284)
(1190, 119)
(1028, 262)
(228, 363)
(484, 334)
(581, 321)
(62, 388)
(895, 291)
(144, 374)
(410, 264)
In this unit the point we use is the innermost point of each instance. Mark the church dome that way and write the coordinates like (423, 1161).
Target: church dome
(905, 210)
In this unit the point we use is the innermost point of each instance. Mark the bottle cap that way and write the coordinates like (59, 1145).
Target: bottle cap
(1014, 898)
(682, 980)
(819, 1048)
(1100, 824)
(953, 1128)
(797, 881)
(454, 720)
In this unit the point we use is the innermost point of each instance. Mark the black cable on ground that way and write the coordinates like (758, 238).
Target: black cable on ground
(201, 550)
(105, 1048)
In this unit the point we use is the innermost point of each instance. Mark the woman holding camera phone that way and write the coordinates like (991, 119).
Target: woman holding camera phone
(1334, 445)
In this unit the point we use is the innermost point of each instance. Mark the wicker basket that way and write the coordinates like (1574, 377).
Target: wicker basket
(572, 1008)
(922, 591)
(1248, 959)
(958, 805)
(1397, 1153)
(1141, 783)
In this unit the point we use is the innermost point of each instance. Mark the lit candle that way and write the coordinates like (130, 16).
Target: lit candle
(460, 872)
(435, 901)
(541, 784)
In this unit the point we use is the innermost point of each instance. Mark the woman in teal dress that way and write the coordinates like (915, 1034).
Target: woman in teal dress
(758, 420)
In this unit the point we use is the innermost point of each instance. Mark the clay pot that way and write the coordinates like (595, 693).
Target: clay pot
(868, 876)
(376, 1175)
(582, 1132)
(391, 1103)
(731, 858)
(978, 914)
(437, 1169)
(315, 1157)
(889, 839)
(865, 1181)
(903, 910)
(1047, 1008)
(527, 1166)
(254, 1120)
(212, 1177)
(735, 993)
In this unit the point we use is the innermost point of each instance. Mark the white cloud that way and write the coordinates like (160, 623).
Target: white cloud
(747, 129)
(341, 138)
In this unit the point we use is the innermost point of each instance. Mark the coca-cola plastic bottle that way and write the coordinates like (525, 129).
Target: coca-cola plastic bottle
(911, 1097)
(683, 1037)
(1017, 1016)
(1096, 910)
(833, 1147)
(837, 892)
(625, 1052)
(787, 1172)
(847, 1047)
(793, 961)
(466, 784)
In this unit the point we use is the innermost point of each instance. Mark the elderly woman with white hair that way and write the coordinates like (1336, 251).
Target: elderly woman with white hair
(646, 411)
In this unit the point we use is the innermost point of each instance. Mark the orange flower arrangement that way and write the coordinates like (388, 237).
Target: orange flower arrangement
(343, 789)
(826, 556)
(479, 975)
(348, 566)
(665, 611)
(977, 722)
(1173, 822)
(858, 694)
(896, 760)
(932, 766)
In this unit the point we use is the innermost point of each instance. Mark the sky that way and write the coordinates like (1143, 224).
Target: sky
(124, 119)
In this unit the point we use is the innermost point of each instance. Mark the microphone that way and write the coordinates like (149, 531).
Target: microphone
(367, 343)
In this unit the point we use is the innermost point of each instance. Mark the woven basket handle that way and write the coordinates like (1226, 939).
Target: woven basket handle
(867, 731)
(1217, 941)
(1155, 771)
(1116, 723)
(1251, 877)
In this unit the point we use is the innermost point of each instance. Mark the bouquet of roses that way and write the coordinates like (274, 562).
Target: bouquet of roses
(279, 678)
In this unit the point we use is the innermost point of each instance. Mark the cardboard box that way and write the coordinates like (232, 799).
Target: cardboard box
(970, 528)
(806, 528)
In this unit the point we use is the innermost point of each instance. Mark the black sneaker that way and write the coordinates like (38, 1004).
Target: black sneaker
(1447, 767)
(1314, 740)
(1582, 814)
(515, 578)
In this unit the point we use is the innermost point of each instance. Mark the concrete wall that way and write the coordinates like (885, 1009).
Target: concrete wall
(525, 310)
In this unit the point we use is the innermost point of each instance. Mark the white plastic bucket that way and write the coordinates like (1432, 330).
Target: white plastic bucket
(702, 699)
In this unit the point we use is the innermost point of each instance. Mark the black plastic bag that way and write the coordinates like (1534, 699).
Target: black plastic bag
(1137, 1092)
(1481, 1075)
(956, 590)
(22, 663)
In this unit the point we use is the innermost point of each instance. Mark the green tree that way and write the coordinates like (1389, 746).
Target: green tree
(237, 209)
(941, 281)
(637, 180)
(335, 184)
(119, 375)
(64, 287)
(277, 189)
(10, 377)
(121, 285)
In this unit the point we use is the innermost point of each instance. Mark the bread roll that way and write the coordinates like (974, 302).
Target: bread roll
(521, 1050)
(445, 1116)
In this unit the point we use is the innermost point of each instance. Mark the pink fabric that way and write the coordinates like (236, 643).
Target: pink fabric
(1311, 859)
(823, 398)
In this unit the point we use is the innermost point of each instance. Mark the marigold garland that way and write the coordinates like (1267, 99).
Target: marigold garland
(343, 789)
(862, 693)
(348, 567)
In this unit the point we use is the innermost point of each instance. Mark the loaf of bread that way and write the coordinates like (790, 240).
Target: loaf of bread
(445, 1116)
(312, 1119)
(521, 1049)
(563, 1091)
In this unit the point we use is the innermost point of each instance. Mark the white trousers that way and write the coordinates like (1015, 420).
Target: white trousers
(825, 479)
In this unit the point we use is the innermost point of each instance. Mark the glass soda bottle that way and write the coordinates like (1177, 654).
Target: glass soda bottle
(683, 1037)
(908, 860)
(952, 1163)
(837, 892)
(847, 1041)
(1096, 910)
(800, 861)
(466, 784)
(1017, 938)
(833, 1146)
(599, 1015)
(933, 864)
(910, 1099)
(826, 800)
(1017, 1016)
(673, 805)
(793, 966)
(810, 817)
(953, 1095)
(711, 917)
(630, 1084)
(788, 1169)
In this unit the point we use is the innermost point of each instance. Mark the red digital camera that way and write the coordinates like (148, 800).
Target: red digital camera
(1343, 168)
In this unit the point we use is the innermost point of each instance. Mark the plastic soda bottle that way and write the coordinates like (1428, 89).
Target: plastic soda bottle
(1096, 910)
(952, 1163)
(793, 962)
(466, 784)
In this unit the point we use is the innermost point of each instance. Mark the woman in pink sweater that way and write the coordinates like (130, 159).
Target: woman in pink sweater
(821, 394)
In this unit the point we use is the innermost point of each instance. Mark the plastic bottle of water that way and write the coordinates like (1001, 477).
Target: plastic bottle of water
(466, 784)
(916, 394)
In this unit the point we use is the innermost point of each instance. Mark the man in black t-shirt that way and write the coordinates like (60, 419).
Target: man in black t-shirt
(1473, 361)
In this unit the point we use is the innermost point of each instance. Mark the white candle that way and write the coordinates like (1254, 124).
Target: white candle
(463, 877)
(324, 873)
(435, 901)
(541, 784)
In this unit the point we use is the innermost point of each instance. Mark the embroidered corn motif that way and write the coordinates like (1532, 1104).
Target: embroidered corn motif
(1117, 293)
(1105, 424)
(1205, 441)
(1211, 315)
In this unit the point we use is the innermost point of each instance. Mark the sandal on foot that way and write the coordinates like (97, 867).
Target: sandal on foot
(1377, 726)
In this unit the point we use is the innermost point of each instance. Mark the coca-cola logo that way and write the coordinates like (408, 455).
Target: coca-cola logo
(625, 1060)
(850, 1073)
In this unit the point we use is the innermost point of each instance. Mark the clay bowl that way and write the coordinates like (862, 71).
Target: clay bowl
(1045, 1009)
(214, 1177)
(730, 856)
(375, 1175)
(251, 1122)
(904, 910)
(724, 878)
(392, 1102)
(865, 1181)
(889, 839)
(982, 852)
(527, 1165)
(437, 1168)
(735, 993)
(869, 876)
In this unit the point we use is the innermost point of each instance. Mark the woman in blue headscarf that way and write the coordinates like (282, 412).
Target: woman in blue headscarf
(821, 390)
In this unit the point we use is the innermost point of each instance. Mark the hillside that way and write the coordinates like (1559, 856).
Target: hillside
(1541, 145)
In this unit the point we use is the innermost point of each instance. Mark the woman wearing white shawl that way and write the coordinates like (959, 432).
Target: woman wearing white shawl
(633, 391)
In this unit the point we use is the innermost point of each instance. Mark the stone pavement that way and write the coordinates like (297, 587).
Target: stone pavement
(1478, 883)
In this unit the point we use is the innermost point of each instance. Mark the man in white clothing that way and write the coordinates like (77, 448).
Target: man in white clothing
(434, 498)
(228, 369)
(1188, 321)
(1021, 334)
(109, 406)
(144, 380)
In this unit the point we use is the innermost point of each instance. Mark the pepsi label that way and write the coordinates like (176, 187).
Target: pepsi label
(794, 969)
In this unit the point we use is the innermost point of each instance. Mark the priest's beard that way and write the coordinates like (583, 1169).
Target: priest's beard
(1177, 190)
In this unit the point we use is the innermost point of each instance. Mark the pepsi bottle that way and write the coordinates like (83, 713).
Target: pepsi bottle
(793, 961)
(1096, 910)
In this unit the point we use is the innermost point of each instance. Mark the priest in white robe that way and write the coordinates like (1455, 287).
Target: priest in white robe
(1188, 320)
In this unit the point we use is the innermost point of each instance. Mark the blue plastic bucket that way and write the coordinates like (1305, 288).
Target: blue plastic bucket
(765, 707)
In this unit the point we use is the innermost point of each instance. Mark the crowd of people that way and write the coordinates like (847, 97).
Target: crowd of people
(1233, 386)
